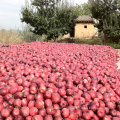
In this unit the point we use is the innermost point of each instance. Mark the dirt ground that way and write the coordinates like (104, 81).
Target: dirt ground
(118, 50)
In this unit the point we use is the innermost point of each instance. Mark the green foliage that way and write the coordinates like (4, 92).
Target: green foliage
(112, 34)
(114, 45)
(83, 9)
(108, 14)
(49, 17)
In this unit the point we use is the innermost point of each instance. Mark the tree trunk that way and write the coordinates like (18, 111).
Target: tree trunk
(55, 39)
(104, 39)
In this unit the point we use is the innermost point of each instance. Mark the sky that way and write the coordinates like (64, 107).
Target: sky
(10, 13)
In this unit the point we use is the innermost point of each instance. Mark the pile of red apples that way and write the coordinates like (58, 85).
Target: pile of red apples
(54, 81)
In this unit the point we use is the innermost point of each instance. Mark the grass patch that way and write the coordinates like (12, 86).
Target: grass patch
(10, 37)
(16, 37)
(114, 45)
(79, 41)
(90, 42)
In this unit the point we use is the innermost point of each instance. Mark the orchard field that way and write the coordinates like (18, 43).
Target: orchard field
(59, 81)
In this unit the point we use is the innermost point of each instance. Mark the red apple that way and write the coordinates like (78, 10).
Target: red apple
(72, 116)
(50, 110)
(39, 103)
(42, 112)
(3, 91)
(70, 100)
(1, 107)
(16, 112)
(86, 116)
(5, 112)
(58, 118)
(33, 111)
(24, 111)
(101, 112)
(17, 102)
(31, 104)
(48, 117)
(37, 117)
(62, 92)
(65, 112)
(48, 102)
(55, 98)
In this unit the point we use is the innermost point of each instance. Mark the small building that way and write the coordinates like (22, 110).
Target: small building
(84, 28)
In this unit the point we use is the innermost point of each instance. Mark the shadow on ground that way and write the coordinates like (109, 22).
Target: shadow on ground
(66, 40)
(79, 41)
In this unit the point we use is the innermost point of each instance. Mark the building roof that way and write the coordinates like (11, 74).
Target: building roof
(85, 18)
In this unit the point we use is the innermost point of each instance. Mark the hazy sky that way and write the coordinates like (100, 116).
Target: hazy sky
(10, 13)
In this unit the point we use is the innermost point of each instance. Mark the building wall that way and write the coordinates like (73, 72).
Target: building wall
(85, 31)
(66, 36)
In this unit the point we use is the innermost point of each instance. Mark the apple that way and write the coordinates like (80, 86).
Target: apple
(48, 117)
(39, 96)
(58, 118)
(62, 92)
(63, 104)
(70, 100)
(24, 111)
(24, 102)
(33, 111)
(101, 112)
(47, 95)
(8, 96)
(3, 91)
(48, 102)
(30, 97)
(77, 104)
(72, 116)
(86, 116)
(42, 112)
(29, 118)
(50, 110)
(5, 112)
(106, 117)
(57, 113)
(113, 112)
(111, 105)
(39, 103)
(93, 106)
(17, 102)
(69, 92)
(55, 98)
(1, 100)
(1, 107)
(37, 117)
(16, 112)
(65, 112)
(87, 96)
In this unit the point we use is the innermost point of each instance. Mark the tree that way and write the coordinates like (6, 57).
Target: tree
(49, 17)
(107, 12)
(83, 9)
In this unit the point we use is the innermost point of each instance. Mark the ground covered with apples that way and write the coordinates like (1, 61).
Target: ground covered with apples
(59, 81)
